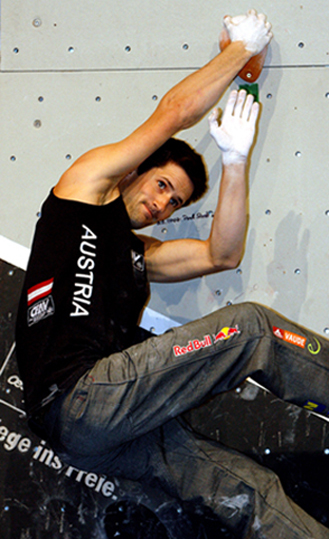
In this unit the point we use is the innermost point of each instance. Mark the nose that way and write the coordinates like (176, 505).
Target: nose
(161, 203)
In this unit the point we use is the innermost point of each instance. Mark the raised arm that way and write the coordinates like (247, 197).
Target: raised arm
(93, 176)
(179, 260)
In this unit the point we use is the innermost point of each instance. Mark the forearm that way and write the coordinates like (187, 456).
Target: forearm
(234, 137)
(181, 107)
(195, 95)
(226, 240)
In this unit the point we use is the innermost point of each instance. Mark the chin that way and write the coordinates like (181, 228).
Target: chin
(136, 225)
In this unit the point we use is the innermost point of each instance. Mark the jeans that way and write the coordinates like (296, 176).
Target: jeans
(122, 417)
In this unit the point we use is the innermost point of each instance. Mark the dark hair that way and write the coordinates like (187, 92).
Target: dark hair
(179, 152)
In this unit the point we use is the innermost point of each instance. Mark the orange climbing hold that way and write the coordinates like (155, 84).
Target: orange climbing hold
(251, 71)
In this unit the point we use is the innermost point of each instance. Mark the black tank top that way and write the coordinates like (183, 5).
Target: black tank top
(84, 289)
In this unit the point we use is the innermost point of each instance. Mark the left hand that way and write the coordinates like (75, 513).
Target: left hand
(252, 29)
(235, 134)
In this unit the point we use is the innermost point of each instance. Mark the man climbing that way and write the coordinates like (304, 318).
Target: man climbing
(110, 404)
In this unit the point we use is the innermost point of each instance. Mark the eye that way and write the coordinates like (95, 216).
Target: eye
(161, 184)
(173, 202)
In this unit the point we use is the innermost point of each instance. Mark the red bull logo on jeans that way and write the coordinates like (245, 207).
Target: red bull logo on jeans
(226, 333)
(196, 344)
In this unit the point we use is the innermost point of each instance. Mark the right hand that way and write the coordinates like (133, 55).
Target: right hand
(252, 29)
(235, 134)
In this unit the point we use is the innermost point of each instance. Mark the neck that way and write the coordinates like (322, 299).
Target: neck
(127, 181)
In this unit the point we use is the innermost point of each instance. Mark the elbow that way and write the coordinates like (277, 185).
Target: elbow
(232, 263)
(234, 259)
(226, 263)
(178, 111)
(222, 257)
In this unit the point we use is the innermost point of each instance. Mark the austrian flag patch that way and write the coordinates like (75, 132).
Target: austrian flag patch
(39, 291)
(288, 336)
(40, 302)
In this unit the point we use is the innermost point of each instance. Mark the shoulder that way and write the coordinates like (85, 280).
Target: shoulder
(74, 185)
(150, 244)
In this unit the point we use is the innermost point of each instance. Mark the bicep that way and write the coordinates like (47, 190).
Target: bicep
(178, 260)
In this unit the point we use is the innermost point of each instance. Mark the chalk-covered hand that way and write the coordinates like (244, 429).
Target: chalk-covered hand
(235, 134)
(252, 29)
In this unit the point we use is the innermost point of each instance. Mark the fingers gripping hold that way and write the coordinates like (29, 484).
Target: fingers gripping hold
(252, 29)
(235, 134)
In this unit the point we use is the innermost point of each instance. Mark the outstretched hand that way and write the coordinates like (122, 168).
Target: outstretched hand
(235, 134)
(252, 29)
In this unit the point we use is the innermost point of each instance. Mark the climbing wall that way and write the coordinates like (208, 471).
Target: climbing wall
(74, 75)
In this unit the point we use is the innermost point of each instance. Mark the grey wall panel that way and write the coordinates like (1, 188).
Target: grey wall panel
(94, 34)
